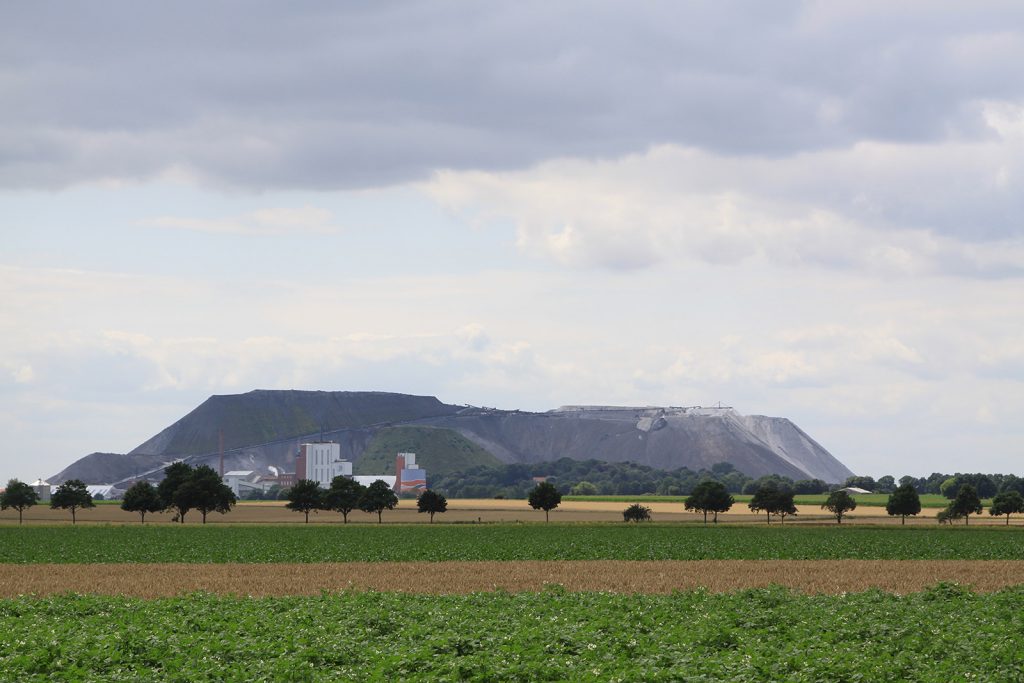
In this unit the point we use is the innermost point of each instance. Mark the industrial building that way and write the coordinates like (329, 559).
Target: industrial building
(321, 462)
(409, 477)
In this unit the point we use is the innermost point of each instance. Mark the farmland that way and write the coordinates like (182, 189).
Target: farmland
(878, 500)
(942, 634)
(618, 576)
(497, 542)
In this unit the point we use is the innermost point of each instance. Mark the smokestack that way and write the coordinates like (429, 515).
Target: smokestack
(220, 439)
(399, 466)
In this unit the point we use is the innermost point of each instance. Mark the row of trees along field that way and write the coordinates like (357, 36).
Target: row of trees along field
(711, 497)
(185, 488)
(345, 495)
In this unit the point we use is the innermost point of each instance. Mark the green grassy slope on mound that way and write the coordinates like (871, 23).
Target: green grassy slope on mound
(372, 543)
(942, 634)
(439, 451)
(261, 416)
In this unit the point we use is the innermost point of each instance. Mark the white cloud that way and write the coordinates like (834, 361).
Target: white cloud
(268, 221)
(880, 208)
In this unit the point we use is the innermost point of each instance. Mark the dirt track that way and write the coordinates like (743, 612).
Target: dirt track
(811, 576)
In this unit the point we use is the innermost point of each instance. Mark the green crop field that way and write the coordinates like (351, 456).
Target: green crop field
(942, 634)
(299, 543)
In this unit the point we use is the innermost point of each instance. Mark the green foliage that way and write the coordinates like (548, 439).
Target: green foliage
(903, 501)
(636, 513)
(966, 503)
(184, 488)
(839, 503)
(767, 634)
(175, 475)
(439, 451)
(305, 497)
(378, 497)
(1007, 503)
(143, 498)
(72, 495)
(19, 496)
(866, 483)
(399, 543)
(709, 496)
(206, 492)
(584, 488)
(546, 497)
(608, 478)
(431, 502)
(773, 499)
(343, 496)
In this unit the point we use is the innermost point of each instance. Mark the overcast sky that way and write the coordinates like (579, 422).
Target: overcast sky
(813, 210)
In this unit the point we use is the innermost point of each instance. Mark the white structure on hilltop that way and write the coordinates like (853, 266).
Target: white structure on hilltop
(321, 461)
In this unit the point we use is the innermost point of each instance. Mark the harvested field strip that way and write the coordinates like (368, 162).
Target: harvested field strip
(943, 634)
(807, 576)
(299, 543)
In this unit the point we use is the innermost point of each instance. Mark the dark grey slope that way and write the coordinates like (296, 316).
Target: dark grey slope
(264, 416)
(104, 468)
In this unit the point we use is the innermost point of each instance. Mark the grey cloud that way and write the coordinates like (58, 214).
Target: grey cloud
(262, 95)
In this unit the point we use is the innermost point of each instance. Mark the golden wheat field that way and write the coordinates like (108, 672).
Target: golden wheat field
(809, 576)
(468, 510)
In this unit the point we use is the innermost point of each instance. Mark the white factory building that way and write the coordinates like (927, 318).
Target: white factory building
(321, 461)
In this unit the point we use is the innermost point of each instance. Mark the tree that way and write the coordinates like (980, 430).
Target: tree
(773, 500)
(839, 503)
(431, 502)
(175, 475)
(18, 495)
(1007, 503)
(810, 487)
(206, 492)
(784, 504)
(546, 497)
(947, 515)
(636, 513)
(584, 488)
(142, 497)
(709, 496)
(343, 496)
(305, 497)
(378, 497)
(966, 503)
(885, 484)
(904, 501)
(71, 495)
(866, 483)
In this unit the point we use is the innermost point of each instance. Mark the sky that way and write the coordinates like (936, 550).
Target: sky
(805, 209)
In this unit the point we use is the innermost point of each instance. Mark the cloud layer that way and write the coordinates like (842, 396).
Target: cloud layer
(370, 94)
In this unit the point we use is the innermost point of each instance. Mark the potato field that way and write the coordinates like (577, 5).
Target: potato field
(942, 634)
(514, 601)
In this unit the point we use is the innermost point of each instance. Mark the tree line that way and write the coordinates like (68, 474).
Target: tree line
(711, 497)
(346, 494)
(597, 477)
